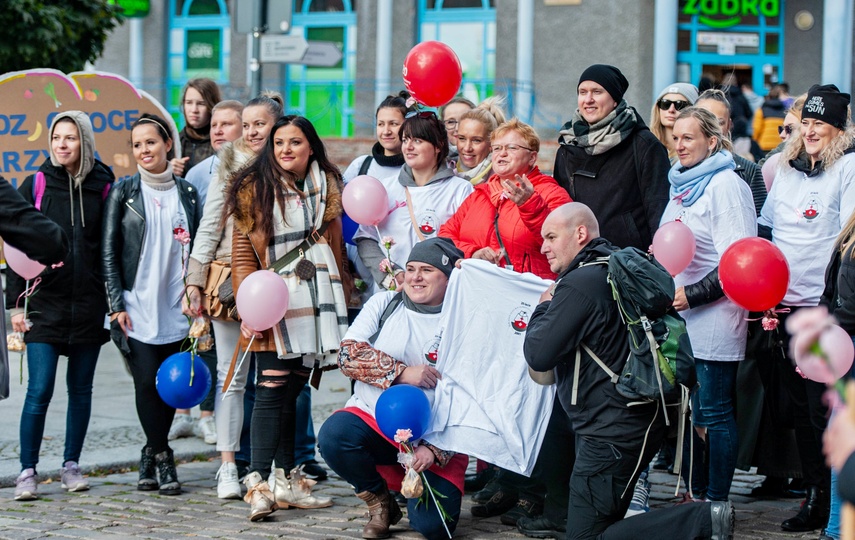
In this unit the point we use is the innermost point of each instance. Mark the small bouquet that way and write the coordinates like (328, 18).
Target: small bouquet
(413, 485)
(200, 328)
(15, 342)
(386, 265)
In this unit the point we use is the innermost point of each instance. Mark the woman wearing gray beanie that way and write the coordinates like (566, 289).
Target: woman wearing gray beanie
(670, 101)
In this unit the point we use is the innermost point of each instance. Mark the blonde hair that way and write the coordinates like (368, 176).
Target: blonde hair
(526, 132)
(846, 238)
(489, 113)
(795, 146)
(708, 123)
(796, 108)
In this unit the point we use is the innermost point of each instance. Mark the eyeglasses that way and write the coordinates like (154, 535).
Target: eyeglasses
(498, 148)
(788, 128)
(421, 114)
(450, 124)
(665, 104)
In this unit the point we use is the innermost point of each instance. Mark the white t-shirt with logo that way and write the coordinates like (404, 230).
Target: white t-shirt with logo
(486, 405)
(721, 216)
(432, 205)
(806, 214)
(407, 336)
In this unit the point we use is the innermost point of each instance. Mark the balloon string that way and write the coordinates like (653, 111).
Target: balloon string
(28, 291)
(239, 364)
(438, 511)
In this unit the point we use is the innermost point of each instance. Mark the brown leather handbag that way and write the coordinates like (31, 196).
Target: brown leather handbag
(216, 298)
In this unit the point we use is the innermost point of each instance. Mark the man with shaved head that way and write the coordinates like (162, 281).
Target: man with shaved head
(576, 319)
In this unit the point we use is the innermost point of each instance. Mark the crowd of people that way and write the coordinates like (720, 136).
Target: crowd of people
(253, 188)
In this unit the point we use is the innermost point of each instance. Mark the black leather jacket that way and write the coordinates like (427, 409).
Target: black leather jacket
(124, 234)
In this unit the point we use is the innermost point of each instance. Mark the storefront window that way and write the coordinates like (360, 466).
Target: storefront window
(734, 36)
(468, 27)
(324, 94)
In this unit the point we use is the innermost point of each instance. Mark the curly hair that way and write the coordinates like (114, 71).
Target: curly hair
(795, 147)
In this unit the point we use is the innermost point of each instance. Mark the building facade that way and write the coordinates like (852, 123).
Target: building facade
(531, 51)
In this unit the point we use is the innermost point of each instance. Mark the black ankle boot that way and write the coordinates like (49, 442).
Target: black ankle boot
(169, 484)
(813, 514)
(148, 471)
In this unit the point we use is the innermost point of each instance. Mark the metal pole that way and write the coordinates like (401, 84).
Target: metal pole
(135, 54)
(837, 44)
(255, 62)
(525, 59)
(383, 56)
(664, 45)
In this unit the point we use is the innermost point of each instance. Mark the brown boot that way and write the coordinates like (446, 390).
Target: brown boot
(383, 512)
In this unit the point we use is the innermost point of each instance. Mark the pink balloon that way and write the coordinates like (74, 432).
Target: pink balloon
(262, 299)
(769, 169)
(21, 264)
(837, 346)
(365, 200)
(674, 246)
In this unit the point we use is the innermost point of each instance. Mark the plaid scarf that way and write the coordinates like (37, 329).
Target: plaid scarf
(601, 137)
(316, 320)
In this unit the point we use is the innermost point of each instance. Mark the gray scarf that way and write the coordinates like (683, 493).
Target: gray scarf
(601, 137)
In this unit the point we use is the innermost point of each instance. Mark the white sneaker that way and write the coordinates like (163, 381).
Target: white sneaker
(182, 426)
(228, 486)
(206, 428)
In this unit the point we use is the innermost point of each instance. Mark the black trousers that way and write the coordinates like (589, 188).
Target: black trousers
(274, 416)
(154, 414)
(601, 486)
(810, 415)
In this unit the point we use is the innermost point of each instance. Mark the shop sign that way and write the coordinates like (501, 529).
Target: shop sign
(29, 101)
(727, 13)
(203, 50)
(727, 42)
(133, 8)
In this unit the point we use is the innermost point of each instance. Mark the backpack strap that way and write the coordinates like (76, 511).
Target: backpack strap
(387, 312)
(39, 189)
(654, 348)
(614, 377)
(366, 164)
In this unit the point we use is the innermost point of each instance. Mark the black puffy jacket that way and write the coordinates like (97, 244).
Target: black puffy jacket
(124, 234)
(69, 304)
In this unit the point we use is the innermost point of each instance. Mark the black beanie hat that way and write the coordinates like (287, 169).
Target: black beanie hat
(828, 104)
(441, 253)
(609, 77)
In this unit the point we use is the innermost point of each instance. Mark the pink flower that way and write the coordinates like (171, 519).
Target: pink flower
(805, 326)
(769, 323)
(180, 234)
(385, 265)
(388, 241)
(403, 435)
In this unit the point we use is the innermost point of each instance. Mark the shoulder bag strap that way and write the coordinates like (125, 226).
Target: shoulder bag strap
(387, 312)
(413, 215)
(366, 164)
(313, 238)
(508, 264)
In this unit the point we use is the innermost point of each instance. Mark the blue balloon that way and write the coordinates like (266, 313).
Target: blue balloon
(348, 229)
(402, 407)
(173, 381)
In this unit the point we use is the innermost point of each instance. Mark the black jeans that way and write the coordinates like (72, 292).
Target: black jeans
(809, 412)
(154, 414)
(601, 488)
(353, 450)
(277, 386)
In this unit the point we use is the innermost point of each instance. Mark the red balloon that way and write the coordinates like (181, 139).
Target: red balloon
(432, 73)
(754, 274)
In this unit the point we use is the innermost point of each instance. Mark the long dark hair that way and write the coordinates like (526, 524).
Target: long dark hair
(427, 127)
(264, 173)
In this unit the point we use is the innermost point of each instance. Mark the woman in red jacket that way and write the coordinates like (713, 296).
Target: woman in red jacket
(517, 198)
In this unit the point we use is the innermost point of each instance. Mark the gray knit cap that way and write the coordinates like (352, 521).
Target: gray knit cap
(441, 253)
(688, 91)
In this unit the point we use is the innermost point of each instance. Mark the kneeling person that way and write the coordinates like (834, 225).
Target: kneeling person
(378, 356)
(613, 440)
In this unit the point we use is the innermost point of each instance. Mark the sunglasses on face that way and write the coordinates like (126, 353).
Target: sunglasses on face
(665, 104)
(421, 114)
(788, 129)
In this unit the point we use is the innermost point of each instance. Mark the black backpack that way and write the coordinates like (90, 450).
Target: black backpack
(660, 365)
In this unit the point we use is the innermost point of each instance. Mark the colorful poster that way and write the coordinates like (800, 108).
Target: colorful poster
(29, 100)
